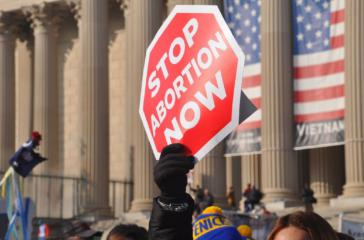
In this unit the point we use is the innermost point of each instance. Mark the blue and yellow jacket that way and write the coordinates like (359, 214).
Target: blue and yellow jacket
(215, 226)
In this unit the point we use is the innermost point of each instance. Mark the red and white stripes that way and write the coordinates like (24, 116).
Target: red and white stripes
(319, 77)
(252, 89)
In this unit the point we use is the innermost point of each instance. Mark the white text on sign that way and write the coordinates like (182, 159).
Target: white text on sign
(188, 76)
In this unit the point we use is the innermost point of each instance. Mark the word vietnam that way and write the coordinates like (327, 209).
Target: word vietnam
(185, 82)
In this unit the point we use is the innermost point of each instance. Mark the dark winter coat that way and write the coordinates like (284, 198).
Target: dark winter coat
(171, 219)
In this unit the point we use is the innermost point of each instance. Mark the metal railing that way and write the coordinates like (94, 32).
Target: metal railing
(63, 196)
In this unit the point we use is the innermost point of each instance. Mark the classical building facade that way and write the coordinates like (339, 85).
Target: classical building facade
(72, 70)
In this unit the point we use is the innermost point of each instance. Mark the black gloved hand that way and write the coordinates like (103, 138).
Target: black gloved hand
(171, 169)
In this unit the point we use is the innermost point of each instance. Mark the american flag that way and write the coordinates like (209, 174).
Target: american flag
(243, 18)
(318, 32)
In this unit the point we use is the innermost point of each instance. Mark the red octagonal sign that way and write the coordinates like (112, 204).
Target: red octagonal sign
(192, 81)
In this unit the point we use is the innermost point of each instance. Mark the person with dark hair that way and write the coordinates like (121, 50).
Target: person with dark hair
(308, 197)
(255, 196)
(127, 232)
(230, 197)
(247, 204)
(208, 199)
(302, 226)
(198, 192)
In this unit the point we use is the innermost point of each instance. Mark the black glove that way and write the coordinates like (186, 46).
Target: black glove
(172, 211)
(171, 169)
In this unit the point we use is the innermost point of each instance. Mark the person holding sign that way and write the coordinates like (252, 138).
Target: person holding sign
(193, 73)
(172, 211)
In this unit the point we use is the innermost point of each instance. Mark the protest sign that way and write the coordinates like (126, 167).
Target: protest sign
(192, 81)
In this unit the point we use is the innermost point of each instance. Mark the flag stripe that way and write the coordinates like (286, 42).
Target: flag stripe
(303, 84)
(253, 92)
(337, 5)
(252, 81)
(256, 102)
(319, 70)
(337, 30)
(337, 42)
(319, 106)
(319, 94)
(252, 70)
(337, 17)
(310, 59)
(250, 125)
(322, 116)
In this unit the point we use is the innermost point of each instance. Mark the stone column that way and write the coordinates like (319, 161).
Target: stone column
(172, 3)
(24, 82)
(129, 104)
(7, 92)
(279, 162)
(354, 98)
(325, 173)
(250, 170)
(304, 171)
(46, 113)
(143, 19)
(210, 173)
(45, 24)
(233, 176)
(250, 174)
(94, 34)
(24, 89)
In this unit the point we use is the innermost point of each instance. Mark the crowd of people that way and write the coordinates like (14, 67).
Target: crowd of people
(252, 196)
(203, 198)
(296, 226)
(173, 217)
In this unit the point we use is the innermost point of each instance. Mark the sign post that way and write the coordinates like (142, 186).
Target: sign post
(191, 81)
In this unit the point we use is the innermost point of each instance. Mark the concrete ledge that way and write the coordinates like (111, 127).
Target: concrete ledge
(347, 202)
(96, 213)
(282, 205)
(141, 205)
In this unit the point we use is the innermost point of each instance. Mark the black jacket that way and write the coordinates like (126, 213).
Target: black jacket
(171, 218)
